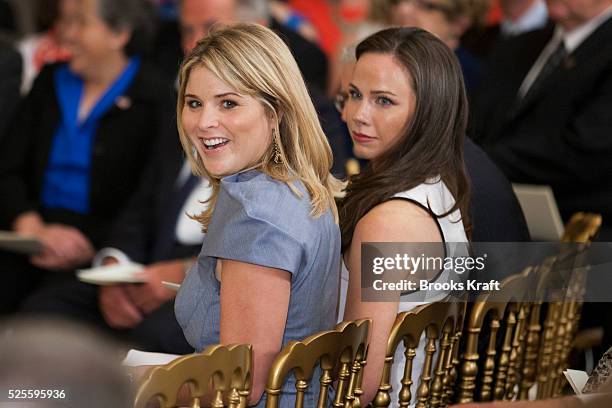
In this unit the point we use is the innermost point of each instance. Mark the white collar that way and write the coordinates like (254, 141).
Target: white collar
(574, 38)
(534, 18)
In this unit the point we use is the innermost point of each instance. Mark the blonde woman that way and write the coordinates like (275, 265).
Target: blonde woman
(268, 271)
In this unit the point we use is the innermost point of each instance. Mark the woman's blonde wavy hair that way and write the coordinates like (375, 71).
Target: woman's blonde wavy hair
(254, 61)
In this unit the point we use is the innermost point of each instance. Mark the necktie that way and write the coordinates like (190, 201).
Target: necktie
(549, 67)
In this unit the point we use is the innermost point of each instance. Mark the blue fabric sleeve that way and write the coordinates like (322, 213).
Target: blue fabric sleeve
(243, 232)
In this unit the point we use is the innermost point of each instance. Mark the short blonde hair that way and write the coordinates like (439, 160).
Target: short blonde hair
(254, 61)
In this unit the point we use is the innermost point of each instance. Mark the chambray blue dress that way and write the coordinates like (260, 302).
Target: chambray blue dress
(259, 220)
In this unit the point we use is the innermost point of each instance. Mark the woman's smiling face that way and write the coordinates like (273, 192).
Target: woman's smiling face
(230, 131)
(381, 103)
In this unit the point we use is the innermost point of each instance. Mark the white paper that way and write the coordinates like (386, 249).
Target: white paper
(577, 379)
(137, 358)
(112, 274)
(541, 212)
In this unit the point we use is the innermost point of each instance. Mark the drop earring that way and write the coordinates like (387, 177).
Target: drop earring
(278, 159)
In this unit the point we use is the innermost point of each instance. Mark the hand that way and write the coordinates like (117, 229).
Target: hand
(151, 295)
(65, 247)
(117, 308)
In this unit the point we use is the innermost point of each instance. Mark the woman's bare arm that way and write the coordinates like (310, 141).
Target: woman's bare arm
(254, 306)
(392, 221)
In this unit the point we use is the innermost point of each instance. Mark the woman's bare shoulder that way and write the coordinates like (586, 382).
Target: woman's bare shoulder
(397, 221)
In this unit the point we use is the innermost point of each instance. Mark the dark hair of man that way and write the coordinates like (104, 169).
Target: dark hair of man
(432, 143)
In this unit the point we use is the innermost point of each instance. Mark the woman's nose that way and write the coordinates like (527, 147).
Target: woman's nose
(361, 112)
(208, 118)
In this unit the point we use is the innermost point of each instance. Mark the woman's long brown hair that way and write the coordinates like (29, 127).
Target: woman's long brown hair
(432, 144)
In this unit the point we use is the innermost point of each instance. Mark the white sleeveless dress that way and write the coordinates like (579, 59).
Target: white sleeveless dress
(435, 197)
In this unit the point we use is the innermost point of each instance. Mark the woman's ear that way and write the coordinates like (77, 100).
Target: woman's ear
(275, 116)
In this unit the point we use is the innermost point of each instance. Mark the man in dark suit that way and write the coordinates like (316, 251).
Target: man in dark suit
(544, 112)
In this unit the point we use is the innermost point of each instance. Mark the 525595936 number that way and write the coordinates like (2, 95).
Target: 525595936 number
(34, 394)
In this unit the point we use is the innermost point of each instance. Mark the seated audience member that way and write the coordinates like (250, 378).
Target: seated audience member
(268, 271)
(65, 364)
(154, 230)
(518, 17)
(448, 20)
(495, 213)
(543, 113)
(77, 147)
(407, 114)
(10, 79)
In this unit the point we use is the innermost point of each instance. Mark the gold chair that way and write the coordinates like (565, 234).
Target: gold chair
(441, 322)
(563, 315)
(499, 374)
(221, 372)
(341, 355)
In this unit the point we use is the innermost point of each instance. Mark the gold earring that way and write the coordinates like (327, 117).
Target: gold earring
(278, 159)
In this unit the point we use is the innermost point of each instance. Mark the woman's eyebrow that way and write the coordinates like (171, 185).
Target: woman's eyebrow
(382, 91)
(222, 95)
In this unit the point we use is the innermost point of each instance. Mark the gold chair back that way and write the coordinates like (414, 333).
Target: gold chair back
(497, 374)
(563, 316)
(221, 372)
(340, 353)
(581, 228)
(441, 322)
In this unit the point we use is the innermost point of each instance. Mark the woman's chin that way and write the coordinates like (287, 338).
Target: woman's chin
(362, 153)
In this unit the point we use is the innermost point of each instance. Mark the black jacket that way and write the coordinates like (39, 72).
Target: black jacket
(122, 146)
(562, 136)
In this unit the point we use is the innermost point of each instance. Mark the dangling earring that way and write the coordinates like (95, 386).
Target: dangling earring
(194, 152)
(278, 159)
